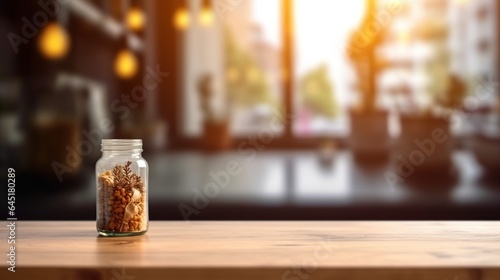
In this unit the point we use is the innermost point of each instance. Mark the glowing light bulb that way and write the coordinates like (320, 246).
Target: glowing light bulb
(135, 19)
(181, 19)
(54, 41)
(126, 64)
(206, 17)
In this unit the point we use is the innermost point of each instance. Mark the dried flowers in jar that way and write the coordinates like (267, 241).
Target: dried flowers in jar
(122, 200)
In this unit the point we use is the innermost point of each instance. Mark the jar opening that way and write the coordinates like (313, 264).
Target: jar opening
(121, 145)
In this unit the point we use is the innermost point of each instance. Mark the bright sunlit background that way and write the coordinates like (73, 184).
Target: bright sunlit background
(335, 109)
(322, 32)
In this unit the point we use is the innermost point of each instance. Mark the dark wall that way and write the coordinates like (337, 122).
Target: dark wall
(91, 54)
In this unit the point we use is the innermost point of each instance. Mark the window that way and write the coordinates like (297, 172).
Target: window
(324, 80)
(244, 49)
(241, 51)
(430, 40)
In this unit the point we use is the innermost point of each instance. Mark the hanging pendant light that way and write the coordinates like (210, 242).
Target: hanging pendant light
(126, 64)
(54, 41)
(181, 18)
(135, 18)
(206, 17)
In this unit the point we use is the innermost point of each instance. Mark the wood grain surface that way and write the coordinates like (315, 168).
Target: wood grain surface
(259, 250)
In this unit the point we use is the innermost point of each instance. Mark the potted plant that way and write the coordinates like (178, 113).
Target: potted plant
(425, 144)
(216, 129)
(369, 136)
(485, 142)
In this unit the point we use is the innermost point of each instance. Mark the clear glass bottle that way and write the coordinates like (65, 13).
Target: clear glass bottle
(122, 188)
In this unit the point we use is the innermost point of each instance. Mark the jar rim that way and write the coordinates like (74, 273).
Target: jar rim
(121, 145)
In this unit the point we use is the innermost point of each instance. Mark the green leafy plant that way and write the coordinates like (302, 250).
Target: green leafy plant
(317, 92)
(246, 82)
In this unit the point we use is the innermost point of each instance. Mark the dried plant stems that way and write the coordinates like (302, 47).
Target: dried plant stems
(122, 199)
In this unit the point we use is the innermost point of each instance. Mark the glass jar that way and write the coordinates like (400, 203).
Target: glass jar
(122, 188)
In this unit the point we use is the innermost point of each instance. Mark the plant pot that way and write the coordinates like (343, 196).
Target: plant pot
(485, 143)
(487, 152)
(369, 137)
(326, 154)
(425, 145)
(216, 136)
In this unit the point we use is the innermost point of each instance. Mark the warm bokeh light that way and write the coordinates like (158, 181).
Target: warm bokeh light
(206, 17)
(54, 41)
(181, 19)
(135, 19)
(126, 64)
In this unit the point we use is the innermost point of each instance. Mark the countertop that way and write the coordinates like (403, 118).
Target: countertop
(259, 250)
(280, 186)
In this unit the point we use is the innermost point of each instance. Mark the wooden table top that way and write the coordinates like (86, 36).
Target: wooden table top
(258, 250)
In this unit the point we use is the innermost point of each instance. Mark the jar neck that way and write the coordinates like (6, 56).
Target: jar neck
(121, 147)
(133, 154)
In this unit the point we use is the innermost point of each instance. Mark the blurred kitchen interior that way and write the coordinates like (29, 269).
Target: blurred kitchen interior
(357, 109)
